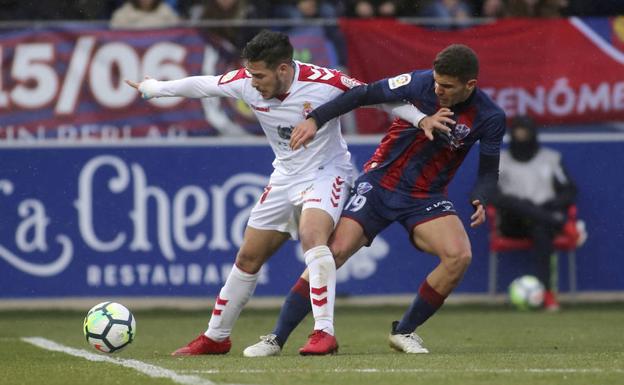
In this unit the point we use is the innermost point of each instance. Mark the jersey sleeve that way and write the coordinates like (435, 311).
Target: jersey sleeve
(494, 130)
(489, 158)
(229, 84)
(400, 88)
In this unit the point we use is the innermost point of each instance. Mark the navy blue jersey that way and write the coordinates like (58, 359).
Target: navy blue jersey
(406, 161)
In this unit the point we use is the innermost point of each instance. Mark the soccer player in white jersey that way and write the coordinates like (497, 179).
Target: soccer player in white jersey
(306, 191)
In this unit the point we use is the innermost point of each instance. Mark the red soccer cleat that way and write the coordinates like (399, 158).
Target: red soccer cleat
(319, 344)
(550, 301)
(204, 345)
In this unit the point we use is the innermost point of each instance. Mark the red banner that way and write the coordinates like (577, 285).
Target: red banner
(564, 71)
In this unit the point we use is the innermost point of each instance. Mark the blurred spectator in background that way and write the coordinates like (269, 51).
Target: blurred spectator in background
(493, 8)
(373, 8)
(301, 9)
(137, 14)
(315, 9)
(226, 10)
(196, 10)
(534, 192)
(11, 10)
(453, 12)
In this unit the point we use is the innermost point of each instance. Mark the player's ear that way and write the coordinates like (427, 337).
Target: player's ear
(282, 68)
(471, 84)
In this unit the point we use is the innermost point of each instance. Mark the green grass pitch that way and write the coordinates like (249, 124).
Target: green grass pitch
(581, 345)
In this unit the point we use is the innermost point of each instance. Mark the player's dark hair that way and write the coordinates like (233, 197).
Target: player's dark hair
(271, 47)
(457, 60)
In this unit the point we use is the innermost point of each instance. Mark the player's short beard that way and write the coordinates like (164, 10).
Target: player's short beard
(279, 85)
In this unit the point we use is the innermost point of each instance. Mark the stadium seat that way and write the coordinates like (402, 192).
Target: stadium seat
(567, 240)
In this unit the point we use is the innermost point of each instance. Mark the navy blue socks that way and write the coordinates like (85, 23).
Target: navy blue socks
(426, 303)
(294, 310)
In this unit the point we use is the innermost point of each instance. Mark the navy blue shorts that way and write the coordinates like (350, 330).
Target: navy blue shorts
(375, 208)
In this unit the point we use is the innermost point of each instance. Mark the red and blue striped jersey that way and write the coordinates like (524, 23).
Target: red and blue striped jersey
(406, 161)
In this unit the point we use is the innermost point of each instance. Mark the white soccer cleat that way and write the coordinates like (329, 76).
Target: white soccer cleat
(268, 346)
(408, 343)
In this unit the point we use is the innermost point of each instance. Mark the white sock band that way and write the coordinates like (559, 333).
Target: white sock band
(322, 270)
(233, 296)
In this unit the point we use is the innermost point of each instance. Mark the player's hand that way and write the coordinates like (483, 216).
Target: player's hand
(132, 84)
(136, 86)
(439, 121)
(478, 217)
(303, 133)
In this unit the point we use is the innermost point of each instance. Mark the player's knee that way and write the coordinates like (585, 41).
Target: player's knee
(249, 263)
(340, 252)
(457, 260)
(312, 238)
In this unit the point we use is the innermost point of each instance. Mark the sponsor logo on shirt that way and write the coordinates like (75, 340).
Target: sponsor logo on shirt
(349, 82)
(284, 131)
(399, 81)
(261, 109)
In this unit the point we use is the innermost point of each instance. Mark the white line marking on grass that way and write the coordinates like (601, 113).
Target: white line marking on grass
(412, 370)
(147, 369)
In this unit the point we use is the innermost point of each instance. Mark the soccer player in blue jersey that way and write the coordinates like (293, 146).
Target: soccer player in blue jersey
(406, 180)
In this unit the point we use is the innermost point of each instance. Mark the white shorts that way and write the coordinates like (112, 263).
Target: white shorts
(280, 205)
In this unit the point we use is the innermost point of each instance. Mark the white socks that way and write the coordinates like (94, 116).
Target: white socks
(237, 290)
(322, 270)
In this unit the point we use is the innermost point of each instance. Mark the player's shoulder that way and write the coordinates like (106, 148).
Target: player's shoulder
(488, 105)
(321, 75)
(414, 78)
(490, 110)
(233, 76)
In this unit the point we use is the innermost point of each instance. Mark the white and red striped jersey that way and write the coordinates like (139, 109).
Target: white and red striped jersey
(312, 86)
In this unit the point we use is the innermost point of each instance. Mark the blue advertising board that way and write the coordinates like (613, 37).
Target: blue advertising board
(167, 220)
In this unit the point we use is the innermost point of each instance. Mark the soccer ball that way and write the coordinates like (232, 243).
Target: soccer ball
(526, 292)
(109, 327)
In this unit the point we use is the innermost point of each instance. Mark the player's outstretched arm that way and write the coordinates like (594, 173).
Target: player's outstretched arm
(189, 87)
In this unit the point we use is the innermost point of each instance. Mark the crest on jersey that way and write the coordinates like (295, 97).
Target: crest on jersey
(307, 108)
(459, 133)
(284, 131)
(363, 188)
(399, 81)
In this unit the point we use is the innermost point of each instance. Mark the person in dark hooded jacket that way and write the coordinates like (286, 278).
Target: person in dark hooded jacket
(534, 192)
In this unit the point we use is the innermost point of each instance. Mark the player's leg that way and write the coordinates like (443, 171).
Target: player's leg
(258, 246)
(270, 225)
(359, 224)
(315, 229)
(321, 207)
(347, 239)
(445, 237)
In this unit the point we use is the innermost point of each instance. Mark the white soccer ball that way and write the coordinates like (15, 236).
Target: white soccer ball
(526, 292)
(109, 327)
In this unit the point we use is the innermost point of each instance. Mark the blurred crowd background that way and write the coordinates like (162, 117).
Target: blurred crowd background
(194, 10)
